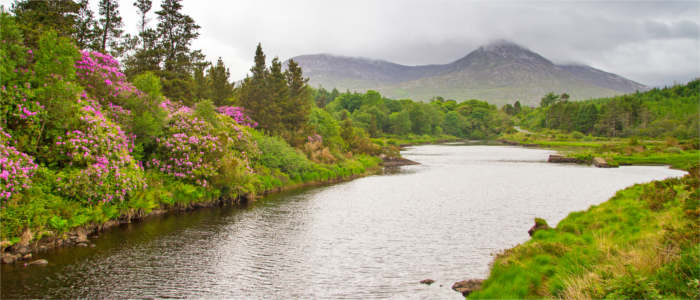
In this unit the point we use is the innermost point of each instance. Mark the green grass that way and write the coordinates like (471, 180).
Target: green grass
(642, 243)
(616, 151)
(45, 213)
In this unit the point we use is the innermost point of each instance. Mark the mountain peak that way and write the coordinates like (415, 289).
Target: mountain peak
(499, 72)
(502, 44)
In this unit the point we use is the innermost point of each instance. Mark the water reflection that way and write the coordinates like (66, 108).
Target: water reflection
(373, 237)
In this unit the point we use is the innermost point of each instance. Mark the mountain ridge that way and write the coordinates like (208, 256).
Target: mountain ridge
(499, 72)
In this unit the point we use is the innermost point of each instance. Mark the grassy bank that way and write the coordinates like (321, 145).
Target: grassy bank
(682, 154)
(46, 214)
(641, 244)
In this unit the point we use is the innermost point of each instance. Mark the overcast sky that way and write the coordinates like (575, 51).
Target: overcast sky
(654, 43)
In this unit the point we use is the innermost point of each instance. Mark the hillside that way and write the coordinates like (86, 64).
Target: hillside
(499, 72)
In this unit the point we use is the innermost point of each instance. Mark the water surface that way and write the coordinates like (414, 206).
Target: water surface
(373, 237)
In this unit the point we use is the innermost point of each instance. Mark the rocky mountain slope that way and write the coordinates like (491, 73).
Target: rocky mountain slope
(500, 72)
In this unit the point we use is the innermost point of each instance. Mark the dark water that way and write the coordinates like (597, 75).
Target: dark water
(374, 237)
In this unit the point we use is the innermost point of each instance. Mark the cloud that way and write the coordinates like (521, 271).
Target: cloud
(655, 43)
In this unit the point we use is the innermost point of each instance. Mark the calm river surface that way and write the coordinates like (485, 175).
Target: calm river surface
(373, 237)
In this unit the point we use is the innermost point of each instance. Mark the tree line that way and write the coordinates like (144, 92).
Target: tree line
(660, 112)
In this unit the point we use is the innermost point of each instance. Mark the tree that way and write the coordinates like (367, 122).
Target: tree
(110, 26)
(220, 89)
(201, 85)
(37, 16)
(176, 32)
(564, 97)
(144, 6)
(85, 26)
(517, 108)
(548, 99)
(253, 94)
(276, 84)
(298, 104)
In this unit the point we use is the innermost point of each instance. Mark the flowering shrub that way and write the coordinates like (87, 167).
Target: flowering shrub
(21, 113)
(188, 151)
(238, 115)
(100, 76)
(195, 151)
(100, 167)
(16, 168)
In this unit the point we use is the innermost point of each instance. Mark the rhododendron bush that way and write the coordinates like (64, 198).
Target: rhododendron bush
(99, 166)
(193, 150)
(100, 76)
(16, 168)
(238, 115)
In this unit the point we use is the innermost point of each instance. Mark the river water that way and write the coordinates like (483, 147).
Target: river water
(373, 237)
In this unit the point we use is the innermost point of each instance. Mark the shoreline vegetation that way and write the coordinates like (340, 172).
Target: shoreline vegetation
(642, 243)
(88, 142)
(98, 128)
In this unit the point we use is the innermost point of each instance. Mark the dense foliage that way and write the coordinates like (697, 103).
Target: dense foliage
(380, 116)
(82, 143)
(671, 111)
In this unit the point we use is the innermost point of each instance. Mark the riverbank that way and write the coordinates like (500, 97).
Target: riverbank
(681, 155)
(162, 197)
(640, 244)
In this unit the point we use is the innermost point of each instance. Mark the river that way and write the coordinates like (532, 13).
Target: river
(372, 237)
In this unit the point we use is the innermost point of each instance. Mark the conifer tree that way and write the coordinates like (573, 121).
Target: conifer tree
(148, 56)
(36, 16)
(110, 26)
(176, 31)
(143, 6)
(85, 26)
(220, 89)
(298, 105)
(278, 102)
(253, 94)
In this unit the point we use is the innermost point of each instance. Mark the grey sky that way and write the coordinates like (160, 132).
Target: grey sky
(655, 43)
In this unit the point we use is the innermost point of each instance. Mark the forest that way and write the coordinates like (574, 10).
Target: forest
(657, 113)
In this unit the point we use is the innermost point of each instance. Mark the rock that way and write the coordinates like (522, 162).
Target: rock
(22, 250)
(39, 262)
(82, 245)
(8, 258)
(28, 256)
(397, 161)
(540, 224)
(81, 235)
(466, 287)
(427, 281)
(556, 158)
(92, 246)
(601, 163)
(26, 237)
(110, 224)
(4, 244)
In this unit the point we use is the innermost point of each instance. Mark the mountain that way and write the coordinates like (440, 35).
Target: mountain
(500, 72)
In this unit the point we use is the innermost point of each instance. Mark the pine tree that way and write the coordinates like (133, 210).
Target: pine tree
(110, 26)
(277, 104)
(176, 32)
(220, 89)
(201, 83)
(36, 16)
(298, 105)
(148, 57)
(144, 6)
(253, 93)
(85, 26)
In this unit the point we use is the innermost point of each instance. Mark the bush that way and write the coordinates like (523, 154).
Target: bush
(277, 154)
